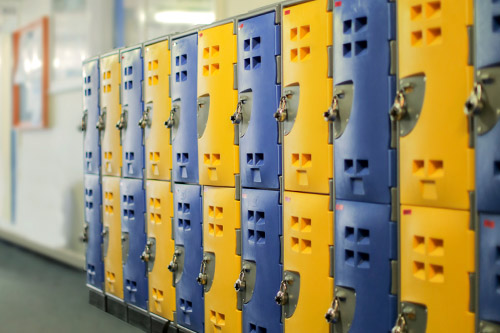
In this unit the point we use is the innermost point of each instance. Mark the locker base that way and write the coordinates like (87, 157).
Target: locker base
(162, 325)
(139, 318)
(488, 327)
(116, 307)
(97, 298)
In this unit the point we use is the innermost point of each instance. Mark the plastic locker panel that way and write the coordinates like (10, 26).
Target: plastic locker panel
(489, 268)
(112, 236)
(91, 113)
(188, 219)
(160, 248)
(307, 237)
(307, 88)
(437, 251)
(221, 228)
(261, 226)
(133, 206)
(365, 245)
(132, 107)
(156, 110)
(111, 150)
(365, 164)
(436, 163)
(487, 33)
(259, 94)
(218, 155)
(184, 108)
(93, 225)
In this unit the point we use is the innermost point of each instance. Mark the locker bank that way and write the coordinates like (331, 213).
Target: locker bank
(257, 167)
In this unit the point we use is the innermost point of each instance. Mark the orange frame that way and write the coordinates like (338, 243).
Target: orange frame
(42, 24)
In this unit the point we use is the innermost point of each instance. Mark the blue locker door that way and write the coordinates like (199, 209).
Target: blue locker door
(91, 112)
(365, 166)
(365, 244)
(132, 106)
(135, 282)
(188, 219)
(184, 109)
(261, 223)
(489, 268)
(260, 154)
(487, 33)
(94, 262)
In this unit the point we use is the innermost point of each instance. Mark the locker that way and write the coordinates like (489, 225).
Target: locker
(157, 103)
(436, 161)
(132, 107)
(91, 113)
(261, 226)
(93, 230)
(307, 278)
(112, 236)
(437, 269)
(221, 259)
(111, 150)
(489, 268)
(365, 258)
(185, 265)
(184, 109)
(306, 93)
(159, 248)
(365, 164)
(487, 37)
(133, 210)
(218, 155)
(259, 50)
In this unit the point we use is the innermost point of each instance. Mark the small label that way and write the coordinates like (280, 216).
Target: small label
(406, 211)
(288, 199)
(339, 207)
(489, 224)
(244, 196)
(338, 3)
(201, 34)
(287, 12)
(240, 27)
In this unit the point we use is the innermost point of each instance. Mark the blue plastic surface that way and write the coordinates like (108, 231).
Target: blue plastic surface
(133, 201)
(131, 136)
(184, 93)
(487, 25)
(188, 219)
(93, 203)
(365, 166)
(365, 244)
(261, 224)
(489, 267)
(260, 154)
(91, 140)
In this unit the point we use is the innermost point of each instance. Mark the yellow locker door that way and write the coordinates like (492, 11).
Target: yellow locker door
(112, 234)
(111, 149)
(217, 154)
(436, 163)
(307, 238)
(437, 251)
(221, 225)
(160, 248)
(157, 105)
(308, 155)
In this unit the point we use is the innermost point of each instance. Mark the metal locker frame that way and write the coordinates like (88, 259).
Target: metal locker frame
(91, 113)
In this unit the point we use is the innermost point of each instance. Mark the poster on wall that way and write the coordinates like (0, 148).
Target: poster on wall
(31, 75)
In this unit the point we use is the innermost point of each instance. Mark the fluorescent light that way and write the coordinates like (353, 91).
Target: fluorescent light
(177, 16)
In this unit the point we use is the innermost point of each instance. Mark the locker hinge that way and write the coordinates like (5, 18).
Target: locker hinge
(238, 242)
(330, 61)
(330, 132)
(394, 277)
(473, 218)
(169, 85)
(472, 292)
(171, 182)
(235, 76)
(169, 44)
(237, 185)
(329, 5)
(278, 69)
(332, 261)
(172, 228)
(394, 57)
(235, 26)
(175, 317)
(282, 250)
(277, 15)
(470, 34)
(394, 204)
(332, 195)
(142, 90)
(120, 93)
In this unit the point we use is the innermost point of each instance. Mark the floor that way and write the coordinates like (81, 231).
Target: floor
(40, 295)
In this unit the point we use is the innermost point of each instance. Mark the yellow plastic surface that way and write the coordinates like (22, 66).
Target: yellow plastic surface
(307, 235)
(113, 269)
(218, 156)
(437, 248)
(308, 158)
(159, 206)
(156, 88)
(111, 149)
(221, 219)
(436, 164)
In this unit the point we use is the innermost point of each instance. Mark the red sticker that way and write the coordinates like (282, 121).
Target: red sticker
(288, 199)
(244, 196)
(201, 34)
(338, 3)
(339, 207)
(241, 26)
(287, 12)
(489, 224)
(407, 212)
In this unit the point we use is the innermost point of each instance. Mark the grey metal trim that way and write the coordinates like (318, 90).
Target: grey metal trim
(192, 31)
(238, 242)
(473, 218)
(131, 48)
(472, 292)
(331, 186)
(394, 56)
(288, 3)
(156, 40)
(394, 277)
(235, 76)
(282, 189)
(170, 85)
(261, 11)
(329, 50)
(471, 57)
(278, 69)
(330, 5)
(172, 228)
(332, 260)
(231, 19)
(394, 204)
(237, 185)
(110, 53)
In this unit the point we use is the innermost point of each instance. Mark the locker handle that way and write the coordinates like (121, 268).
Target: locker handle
(333, 313)
(241, 283)
(145, 118)
(280, 114)
(398, 109)
(171, 120)
(237, 116)
(281, 297)
(475, 102)
(122, 123)
(146, 255)
(202, 278)
(101, 122)
(174, 265)
(400, 326)
(83, 126)
(333, 112)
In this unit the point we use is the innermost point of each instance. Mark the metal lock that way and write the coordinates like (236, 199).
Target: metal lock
(333, 112)
(83, 126)
(203, 277)
(85, 236)
(173, 266)
(398, 109)
(281, 297)
(281, 114)
(122, 123)
(146, 255)
(101, 122)
(237, 116)
(475, 102)
(333, 313)
(144, 121)
(171, 120)
(241, 283)
(104, 233)
(400, 326)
